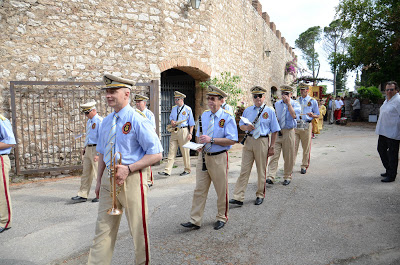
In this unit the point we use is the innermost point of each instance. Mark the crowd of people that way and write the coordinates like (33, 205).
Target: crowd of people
(128, 135)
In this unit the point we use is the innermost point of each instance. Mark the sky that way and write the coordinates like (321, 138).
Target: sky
(293, 17)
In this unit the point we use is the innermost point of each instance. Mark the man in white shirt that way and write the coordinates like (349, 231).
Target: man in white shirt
(338, 108)
(388, 129)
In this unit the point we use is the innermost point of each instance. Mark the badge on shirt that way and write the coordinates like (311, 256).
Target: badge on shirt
(265, 115)
(126, 128)
(309, 104)
(184, 113)
(221, 123)
(93, 126)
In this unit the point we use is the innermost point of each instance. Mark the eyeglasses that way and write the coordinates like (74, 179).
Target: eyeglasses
(87, 112)
(176, 99)
(211, 98)
(257, 96)
(286, 94)
(390, 89)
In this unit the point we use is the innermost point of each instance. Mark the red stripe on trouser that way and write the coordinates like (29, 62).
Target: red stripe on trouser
(151, 176)
(5, 191)
(226, 191)
(265, 175)
(144, 218)
(309, 151)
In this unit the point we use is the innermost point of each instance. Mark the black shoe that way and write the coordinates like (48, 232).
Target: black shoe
(95, 200)
(150, 185)
(303, 171)
(259, 201)
(388, 179)
(269, 181)
(163, 174)
(286, 182)
(190, 225)
(384, 175)
(218, 225)
(2, 229)
(184, 173)
(233, 201)
(79, 199)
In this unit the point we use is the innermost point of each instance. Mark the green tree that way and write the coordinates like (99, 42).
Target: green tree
(335, 44)
(374, 44)
(228, 83)
(306, 43)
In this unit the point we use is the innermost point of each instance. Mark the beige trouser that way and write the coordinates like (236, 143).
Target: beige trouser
(178, 139)
(217, 172)
(305, 137)
(89, 171)
(5, 199)
(286, 144)
(132, 199)
(253, 150)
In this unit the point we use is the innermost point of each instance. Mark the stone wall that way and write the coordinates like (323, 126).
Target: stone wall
(80, 40)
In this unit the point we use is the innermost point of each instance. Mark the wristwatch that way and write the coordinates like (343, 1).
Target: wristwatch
(212, 140)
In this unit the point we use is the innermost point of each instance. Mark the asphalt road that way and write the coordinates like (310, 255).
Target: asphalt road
(338, 213)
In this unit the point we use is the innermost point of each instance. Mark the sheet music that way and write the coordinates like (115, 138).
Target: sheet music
(245, 120)
(192, 145)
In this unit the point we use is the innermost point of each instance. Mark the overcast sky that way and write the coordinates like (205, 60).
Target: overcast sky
(293, 17)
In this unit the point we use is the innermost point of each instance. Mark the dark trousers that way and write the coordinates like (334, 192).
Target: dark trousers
(356, 114)
(388, 150)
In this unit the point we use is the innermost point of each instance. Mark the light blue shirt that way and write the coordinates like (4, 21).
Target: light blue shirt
(150, 116)
(6, 135)
(135, 136)
(290, 122)
(268, 121)
(93, 124)
(307, 104)
(186, 113)
(224, 127)
(228, 108)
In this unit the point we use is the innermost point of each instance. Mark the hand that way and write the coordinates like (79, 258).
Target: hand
(271, 151)
(205, 139)
(250, 127)
(173, 123)
(121, 174)
(96, 158)
(189, 137)
(286, 99)
(310, 114)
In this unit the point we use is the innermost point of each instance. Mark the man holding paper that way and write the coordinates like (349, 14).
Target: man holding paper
(219, 134)
(256, 147)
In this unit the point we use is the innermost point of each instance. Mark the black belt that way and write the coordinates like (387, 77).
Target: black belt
(216, 153)
(259, 136)
(90, 145)
(4, 155)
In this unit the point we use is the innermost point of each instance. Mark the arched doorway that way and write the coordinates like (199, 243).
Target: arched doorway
(174, 80)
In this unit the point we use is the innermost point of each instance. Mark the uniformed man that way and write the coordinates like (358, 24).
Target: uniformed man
(90, 156)
(141, 106)
(256, 147)
(309, 111)
(227, 107)
(184, 132)
(219, 133)
(287, 110)
(131, 134)
(7, 141)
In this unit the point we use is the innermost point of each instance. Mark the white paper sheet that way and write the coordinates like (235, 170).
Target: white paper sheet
(192, 145)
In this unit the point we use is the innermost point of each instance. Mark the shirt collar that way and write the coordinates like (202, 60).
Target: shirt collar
(124, 111)
(218, 113)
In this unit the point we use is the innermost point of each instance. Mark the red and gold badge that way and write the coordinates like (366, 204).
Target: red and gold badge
(184, 113)
(265, 115)
(93, 126)
(221, 123)
(309, 104)
(126, 128)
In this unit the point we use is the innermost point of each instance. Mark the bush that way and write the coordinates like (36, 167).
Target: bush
(371, 93)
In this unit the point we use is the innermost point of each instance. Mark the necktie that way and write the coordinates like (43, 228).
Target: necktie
(210, 131)
(257, 130)
(87, 132)
(282, 118)
(111, 141)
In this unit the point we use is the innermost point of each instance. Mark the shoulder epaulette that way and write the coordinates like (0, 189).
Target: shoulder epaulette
(207, 110)
(174, 106)
(2, 117)
(138, 111)
(227, 112)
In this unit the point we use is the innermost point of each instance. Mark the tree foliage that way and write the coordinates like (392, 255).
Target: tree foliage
(371, 93)
(306, 43)
(228, 83)
(374, 43)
